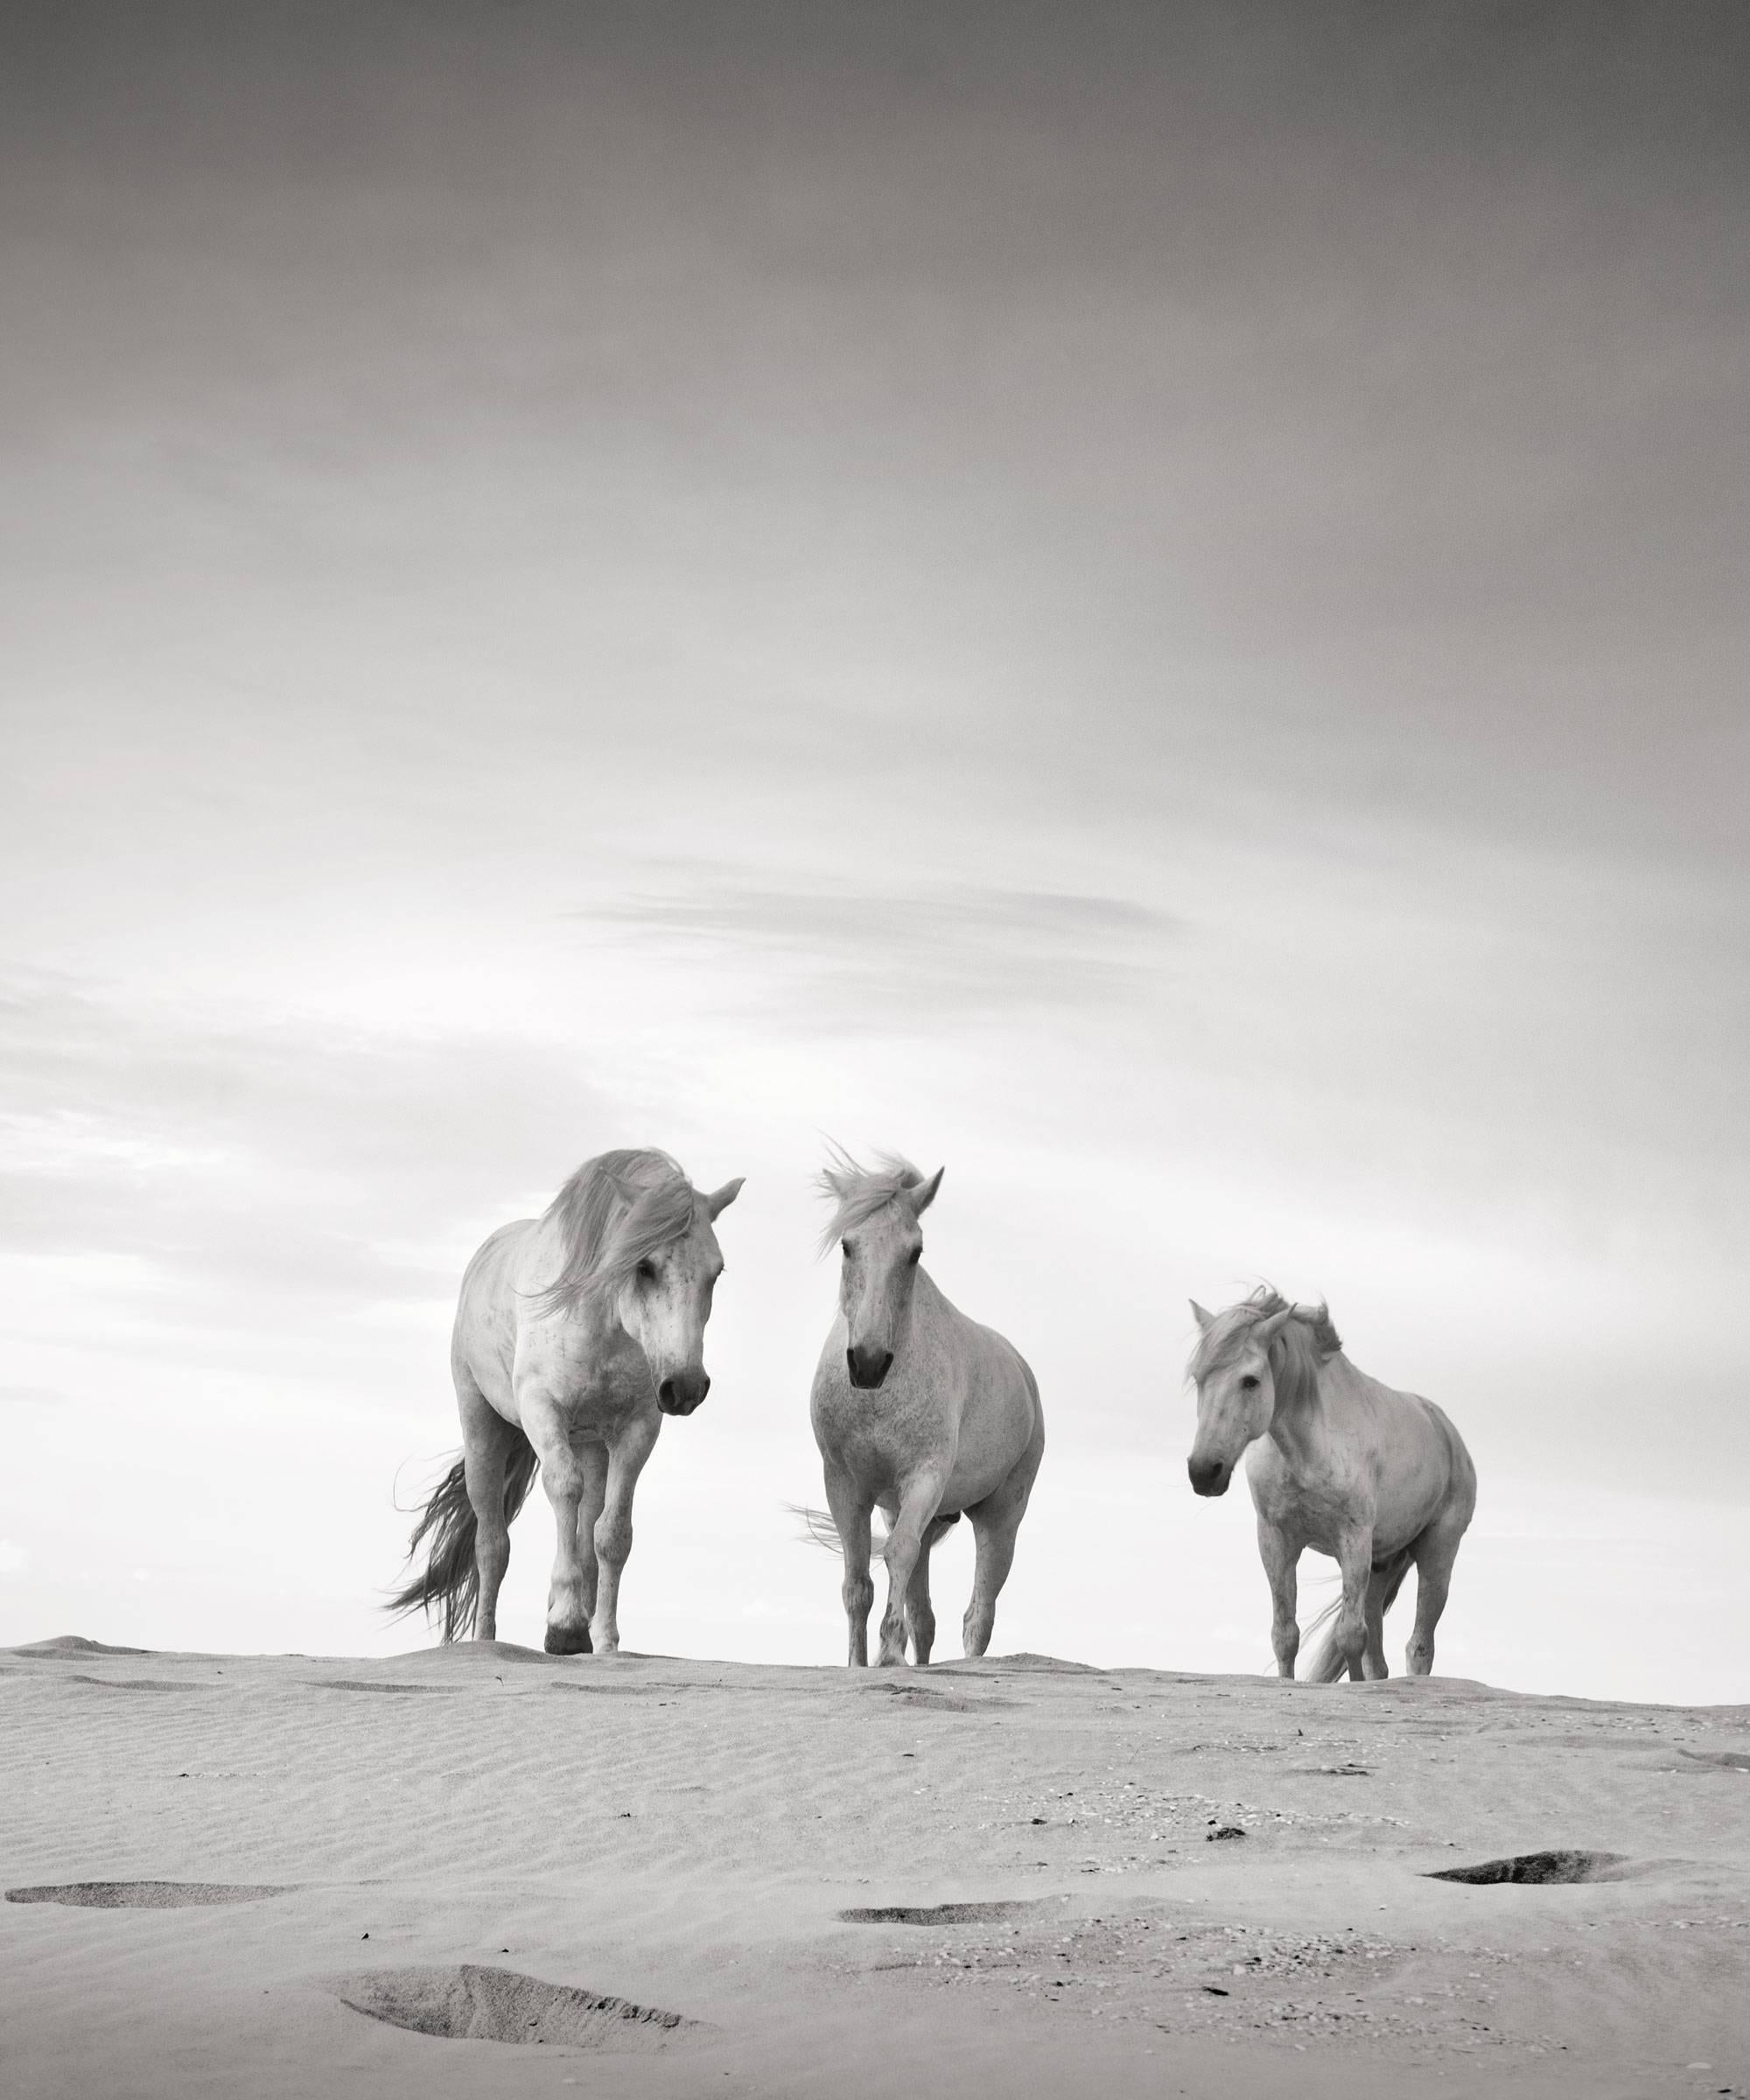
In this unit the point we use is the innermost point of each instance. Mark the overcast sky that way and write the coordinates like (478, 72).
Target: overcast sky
(1145, 603)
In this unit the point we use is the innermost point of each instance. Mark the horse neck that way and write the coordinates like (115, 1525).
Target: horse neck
(592, 1330)
(926, 1302)
(1297, 1427)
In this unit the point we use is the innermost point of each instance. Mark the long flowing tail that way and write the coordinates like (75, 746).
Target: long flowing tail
(450, 1578)
(817, 1525)
(1326, 1665)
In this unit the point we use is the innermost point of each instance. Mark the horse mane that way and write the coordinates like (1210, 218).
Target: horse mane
(858, 1192)
(1304, 1341)
(618, 1209)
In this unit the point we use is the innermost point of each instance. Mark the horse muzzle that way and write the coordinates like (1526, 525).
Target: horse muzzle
(868, 1364)
(1208, 1476)
(680, 1393)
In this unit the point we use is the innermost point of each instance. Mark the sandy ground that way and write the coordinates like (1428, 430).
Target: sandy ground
(415, 1836)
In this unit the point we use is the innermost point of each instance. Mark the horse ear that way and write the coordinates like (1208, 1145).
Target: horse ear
(1267, 1330)
(1205, 1320)
(921, 1197)
(720, 1200)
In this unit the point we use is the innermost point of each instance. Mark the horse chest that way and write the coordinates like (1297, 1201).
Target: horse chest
(1314, 1503)
(884, 1434)
(593, 1389)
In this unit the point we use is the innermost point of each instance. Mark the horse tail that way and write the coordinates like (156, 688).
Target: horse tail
(817, 1525)
(1326, 1665)
(451, 1577)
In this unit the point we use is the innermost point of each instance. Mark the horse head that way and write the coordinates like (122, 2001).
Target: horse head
(877, 1272)
(1235, 1391)
(665, 1300)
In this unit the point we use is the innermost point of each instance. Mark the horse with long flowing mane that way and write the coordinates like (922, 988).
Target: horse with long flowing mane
(918, 1411)
(576, 1333)
(1379, 1480)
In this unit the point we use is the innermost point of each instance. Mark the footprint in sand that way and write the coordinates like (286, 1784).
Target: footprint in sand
(475, 2004)
(146, 1895)
(940, 1913)
(1535, 1868)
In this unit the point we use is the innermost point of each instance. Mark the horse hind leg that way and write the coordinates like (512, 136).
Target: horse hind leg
(995, 1523)
(1382, 1588)
(491, 1451)
(995, 1554)
(1436, 1550)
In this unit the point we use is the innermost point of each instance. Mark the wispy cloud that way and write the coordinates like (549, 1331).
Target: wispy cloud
(906, 957)
(31, 1395)
(249, 1168)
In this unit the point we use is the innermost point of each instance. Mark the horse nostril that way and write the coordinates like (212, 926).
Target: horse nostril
(665, 1395)
(704, 1386)
(1206, 1475)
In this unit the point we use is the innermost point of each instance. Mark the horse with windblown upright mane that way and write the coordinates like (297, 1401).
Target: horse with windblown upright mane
(918, 1411)
(1379, 1480)
(576, 1333)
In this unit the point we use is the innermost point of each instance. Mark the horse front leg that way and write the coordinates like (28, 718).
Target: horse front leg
(563, 1476)
(920, 1612)
(1281, 1560)
(850, 1514)
(593, 1460)
(918, 1501)
(1355, 1557)
(625, 1457)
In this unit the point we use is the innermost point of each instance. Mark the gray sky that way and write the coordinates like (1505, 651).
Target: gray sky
(1145, 602)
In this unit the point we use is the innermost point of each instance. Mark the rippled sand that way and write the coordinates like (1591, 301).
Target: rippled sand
(480, 1870)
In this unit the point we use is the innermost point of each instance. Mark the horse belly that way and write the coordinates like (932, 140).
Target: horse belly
(1408, 1500)
(998, 1422)
(968, 1484)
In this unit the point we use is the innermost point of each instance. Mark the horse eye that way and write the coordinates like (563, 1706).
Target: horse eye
(844, 1247)
(915, 1256)
(647, 1272)
(1248, 1383)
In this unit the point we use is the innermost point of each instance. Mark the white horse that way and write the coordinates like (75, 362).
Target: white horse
(917, 1411)
(1339, 1462)
(577, 1332)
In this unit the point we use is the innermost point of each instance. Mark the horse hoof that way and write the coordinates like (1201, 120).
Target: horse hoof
(568, 1641)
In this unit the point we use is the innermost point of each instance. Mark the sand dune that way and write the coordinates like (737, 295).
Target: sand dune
(304, 1875)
